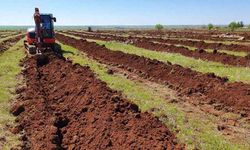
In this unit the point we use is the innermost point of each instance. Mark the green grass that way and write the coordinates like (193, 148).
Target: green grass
(239, 74)
(4, 35)
(8, 37)
(7, 32)
(227, 42)
(234, 53)
(9, 69)
(239, 53)
(232, 72)
(197, 132)
(212, 41)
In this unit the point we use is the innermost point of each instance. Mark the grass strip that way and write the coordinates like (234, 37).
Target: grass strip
(233, 73)
(234, 53)
(9, 69)
(9, 37)
(247, 43)
(197, 132)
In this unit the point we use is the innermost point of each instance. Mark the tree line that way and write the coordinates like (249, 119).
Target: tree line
(232, 26)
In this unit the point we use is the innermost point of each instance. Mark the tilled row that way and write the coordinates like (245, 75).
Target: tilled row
(192, 43)
(204, 45)
(5, 35)
(209, 35)
(198, 54)
(187, 34)
(200, 88)
(4, 45)
(64, 106)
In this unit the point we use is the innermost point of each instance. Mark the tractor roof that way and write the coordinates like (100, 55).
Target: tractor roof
(51, 15)
(31, 30)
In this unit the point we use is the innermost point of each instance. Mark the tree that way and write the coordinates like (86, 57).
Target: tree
(90, 29)
(241, 24)
(159, 27)
(233, 25)
(210, 26)
(249, 26)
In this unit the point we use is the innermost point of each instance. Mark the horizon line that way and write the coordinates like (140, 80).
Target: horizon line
(134, 25)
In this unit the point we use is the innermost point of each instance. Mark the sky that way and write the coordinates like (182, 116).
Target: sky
(127, 12)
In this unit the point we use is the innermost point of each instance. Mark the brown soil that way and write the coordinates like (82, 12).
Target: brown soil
(187, 33)
(199, 44)
(65, 106)
(204, 45)
(199, 53)
(202, 88)
(9, 42)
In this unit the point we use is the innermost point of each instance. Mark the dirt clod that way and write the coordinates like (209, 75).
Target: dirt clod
(221, 127)
(201, 88)
(110, 71)
(3, 139)
(243, 114)
(84, 114)
(134, 107)
(201, 50)
(17, 109)
(215, 51)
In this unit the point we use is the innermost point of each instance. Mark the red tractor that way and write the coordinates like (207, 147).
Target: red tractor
(42, 37)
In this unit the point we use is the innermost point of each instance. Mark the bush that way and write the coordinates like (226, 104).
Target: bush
(235, 25)
(217, 28)
(159, 27)
(90, 29)
(241, 24)
(210, 26)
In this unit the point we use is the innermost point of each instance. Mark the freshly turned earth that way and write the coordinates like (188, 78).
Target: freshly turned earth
(204, 88)
(64, 106)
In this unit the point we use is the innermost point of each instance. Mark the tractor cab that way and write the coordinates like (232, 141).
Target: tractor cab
(46, 36)
(47, 28)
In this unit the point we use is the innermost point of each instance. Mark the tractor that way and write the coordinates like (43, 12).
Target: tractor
(41, 38)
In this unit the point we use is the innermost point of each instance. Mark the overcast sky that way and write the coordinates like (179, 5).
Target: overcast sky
(127, 12)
